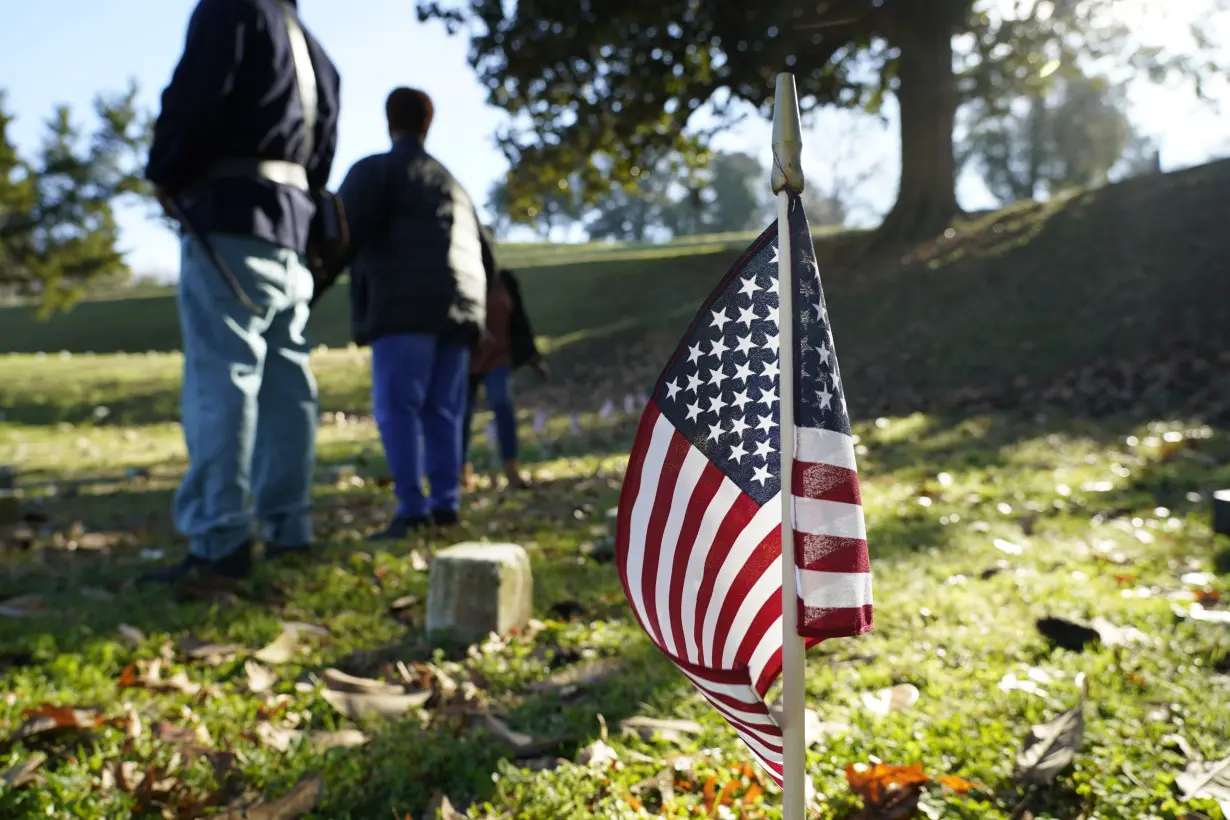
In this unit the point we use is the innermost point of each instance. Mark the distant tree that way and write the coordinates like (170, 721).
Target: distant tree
(1035, 146)
(739, 184)
(58, 233)
(614, 79)
(558, 207)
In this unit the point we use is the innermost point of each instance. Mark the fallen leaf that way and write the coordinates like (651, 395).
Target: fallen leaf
(260, 678)
(210, 653)
(23, 773)
(1050, 747)
(281, 650)
(888, 791)
(1208, 781)
(134, 636)
(1112, 635)
(339, 681)
(598, 755)
(572, 678)
(22, 606)
(521, 744)
(815, 729)
(1067, 634)
(148, 675)
(301, 799)
(957, 784)
(671, 731)
(895, 699)
(1197, 612)
(342, 738)
(356, 705)
(439, 808)
(277, 738)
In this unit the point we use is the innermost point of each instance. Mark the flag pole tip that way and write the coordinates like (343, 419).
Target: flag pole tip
(787, 137)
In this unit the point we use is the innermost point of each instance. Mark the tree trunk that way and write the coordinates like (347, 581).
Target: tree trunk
(927, 96)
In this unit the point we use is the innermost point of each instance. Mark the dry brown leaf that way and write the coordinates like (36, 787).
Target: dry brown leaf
(439, 808)
(1050, 747)
(887, 791)
(895, 699)
(281, 650)
(301, 799)
(22, 606)
(23, 773)
(356, 705)
(671, 731)
(521, 744)
(260, 678)
(210, 653)
(955, 783)
(134, 636)
(148, 675)
(579, 676)
(339, 681)
(342, 738)
(277, 738)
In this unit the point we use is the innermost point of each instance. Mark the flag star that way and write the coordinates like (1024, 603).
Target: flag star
(716, 377)
(762, 474)
(715, 431)
(747, 315)
(766, 423)
(737, 452)
(694, 353)
(773, 261)
(771, 341)
(738, 425)
(836, 380)
(694, 382)
(693, 411)
(743, 372)
(771, 368)
(826, 398)
(772, 317)
(768, 398)
(749, 288)
(715, 405)
(764, 449)
(824, 352)
(821, 313)
(718, 348)
(672, 388)
(773, 286)
(720, 319)
(745, 344)
(740, 399)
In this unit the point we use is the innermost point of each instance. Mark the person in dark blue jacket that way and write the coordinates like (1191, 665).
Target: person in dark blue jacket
(420, 266)
(246, 135)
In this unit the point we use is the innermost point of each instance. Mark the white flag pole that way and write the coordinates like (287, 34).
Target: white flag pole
(787, 179)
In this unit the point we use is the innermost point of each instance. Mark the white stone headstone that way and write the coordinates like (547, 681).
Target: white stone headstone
(476, 589)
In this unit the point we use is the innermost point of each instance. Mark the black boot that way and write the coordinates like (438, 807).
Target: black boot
(399, 528)
(445, 518)
(233, 567)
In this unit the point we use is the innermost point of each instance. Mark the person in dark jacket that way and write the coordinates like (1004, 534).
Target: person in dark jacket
(420, 266)
(247, 131)
(508, 344)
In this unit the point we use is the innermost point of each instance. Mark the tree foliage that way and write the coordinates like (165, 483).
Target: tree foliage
(57, 224)
(594, 87)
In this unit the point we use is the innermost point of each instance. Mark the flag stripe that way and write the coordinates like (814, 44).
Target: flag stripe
(716, 512)
(819, 446)
(834, 589)
(827, 482)
(817, 517)
(655, 532)
(824, 623)
(826, 553)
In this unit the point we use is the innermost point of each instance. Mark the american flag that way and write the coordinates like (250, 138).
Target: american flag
(698, 536)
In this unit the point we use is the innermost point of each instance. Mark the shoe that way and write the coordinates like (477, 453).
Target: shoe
(233, 567)
(512, 472)
(276, 552)
(399, 528)
(445, 518)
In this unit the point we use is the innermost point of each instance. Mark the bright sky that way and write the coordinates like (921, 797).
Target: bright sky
(63, 51)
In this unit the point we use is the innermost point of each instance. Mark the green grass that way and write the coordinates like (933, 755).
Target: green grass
(941, 493)
(1043, 415)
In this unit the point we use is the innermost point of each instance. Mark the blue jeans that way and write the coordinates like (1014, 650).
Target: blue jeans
(418, 398)
(248, 401)
(499, 400)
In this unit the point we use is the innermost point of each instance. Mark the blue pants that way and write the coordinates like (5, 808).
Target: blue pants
(499, 400)
(418, 398)
(249, 400)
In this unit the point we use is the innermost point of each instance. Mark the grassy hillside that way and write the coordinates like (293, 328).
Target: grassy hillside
(1115, 296)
